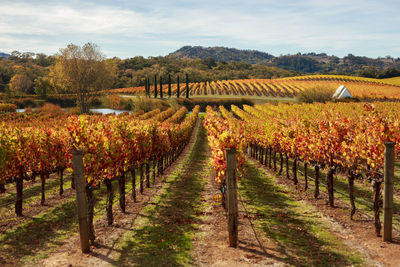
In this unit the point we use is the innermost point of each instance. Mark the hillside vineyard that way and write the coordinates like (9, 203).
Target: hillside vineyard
(362, 88)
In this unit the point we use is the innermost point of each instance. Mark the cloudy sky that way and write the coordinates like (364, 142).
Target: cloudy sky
(125, 28)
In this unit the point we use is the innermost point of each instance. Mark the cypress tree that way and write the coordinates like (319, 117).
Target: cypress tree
(155, 86)
(177, 89)
(169, 85)
(187, 85)
(161, 96)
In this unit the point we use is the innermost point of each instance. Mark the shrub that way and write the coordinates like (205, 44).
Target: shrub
(147, 104)
(49, 108)
(316, 94)
(117, 102)
(6, 107)
(73, 110)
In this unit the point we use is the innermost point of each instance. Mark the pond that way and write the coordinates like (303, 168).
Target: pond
(107, 110)
(96, 110)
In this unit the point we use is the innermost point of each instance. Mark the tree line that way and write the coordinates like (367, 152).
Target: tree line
(30, 73)
(309, 63)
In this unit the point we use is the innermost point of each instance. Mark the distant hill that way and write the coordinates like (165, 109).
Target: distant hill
(223, 54)
(5, 55)
(302, 63)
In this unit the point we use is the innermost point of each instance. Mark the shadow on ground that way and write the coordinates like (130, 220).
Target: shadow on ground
(164, 237)
(296, 230)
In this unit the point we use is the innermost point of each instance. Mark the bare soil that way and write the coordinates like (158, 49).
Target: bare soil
(211, 246)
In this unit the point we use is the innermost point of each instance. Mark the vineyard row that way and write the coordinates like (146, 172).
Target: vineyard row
(342, 138)
(288, 87)
(112, 147)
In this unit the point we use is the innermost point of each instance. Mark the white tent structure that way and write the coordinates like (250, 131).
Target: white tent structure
(342, 92)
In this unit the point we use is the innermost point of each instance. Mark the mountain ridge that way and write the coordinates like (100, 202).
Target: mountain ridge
(4, 55)
(220, 53)
(306, 63)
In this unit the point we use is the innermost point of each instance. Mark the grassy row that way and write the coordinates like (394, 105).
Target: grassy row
(300, 232)
(32, 195)
(163, 235)
(52, 185)
(362, 190)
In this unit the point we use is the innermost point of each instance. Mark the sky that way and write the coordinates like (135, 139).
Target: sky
(126, 29)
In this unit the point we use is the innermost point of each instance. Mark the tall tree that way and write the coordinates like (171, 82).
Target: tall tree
(21, 83)
(42, 86)
(187, 85)
(177, 89)
(169, 85)
(82, 70)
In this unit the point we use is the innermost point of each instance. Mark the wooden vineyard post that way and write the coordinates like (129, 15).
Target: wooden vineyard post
(388, 191)
(80, 184)
(232, 196)
(161, 88)
(169, 86)
(177, 87)
(19, 187)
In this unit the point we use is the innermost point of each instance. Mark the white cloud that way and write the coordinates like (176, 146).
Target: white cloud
(151, 27)
(22, 18)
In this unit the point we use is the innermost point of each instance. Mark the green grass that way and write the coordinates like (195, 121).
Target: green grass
(39, 234)
(33, 193)
(163, 235)
(298, 230)
(362, 190)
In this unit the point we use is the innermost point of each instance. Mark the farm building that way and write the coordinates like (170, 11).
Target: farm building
(342, 92)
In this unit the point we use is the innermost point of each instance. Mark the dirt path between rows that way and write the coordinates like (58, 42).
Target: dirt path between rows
(211, 245)
(211, 242)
